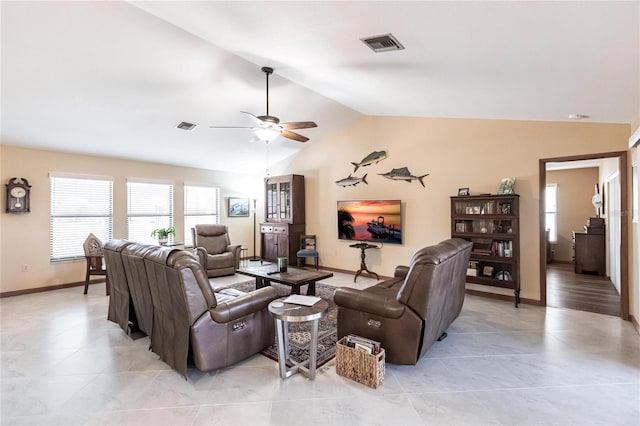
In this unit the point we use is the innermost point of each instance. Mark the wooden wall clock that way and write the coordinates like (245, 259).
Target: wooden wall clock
(18, 195)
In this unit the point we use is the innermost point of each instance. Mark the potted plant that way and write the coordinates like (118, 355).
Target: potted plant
(163, 234)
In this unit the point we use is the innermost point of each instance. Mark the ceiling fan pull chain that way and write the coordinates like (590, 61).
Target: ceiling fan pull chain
(267, 168)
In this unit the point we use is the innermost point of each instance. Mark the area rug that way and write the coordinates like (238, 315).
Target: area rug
(300, 333)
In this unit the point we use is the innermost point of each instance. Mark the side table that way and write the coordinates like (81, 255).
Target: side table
(244, 259)
(363, 256)
(285, 314)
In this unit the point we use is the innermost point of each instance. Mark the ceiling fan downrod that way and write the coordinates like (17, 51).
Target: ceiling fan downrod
(267, 71)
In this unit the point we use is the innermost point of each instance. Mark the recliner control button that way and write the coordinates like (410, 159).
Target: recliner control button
(374, 323)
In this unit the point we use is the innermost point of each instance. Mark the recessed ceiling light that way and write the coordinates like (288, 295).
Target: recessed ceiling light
(577, 116)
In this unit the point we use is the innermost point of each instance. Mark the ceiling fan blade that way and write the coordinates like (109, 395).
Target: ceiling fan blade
(295, 136)
(253, 117)
(230, 127)
(299, 125)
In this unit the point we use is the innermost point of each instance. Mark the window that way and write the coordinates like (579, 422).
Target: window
(79, 206)
(551, 211)
(201, 205)
(149, 207)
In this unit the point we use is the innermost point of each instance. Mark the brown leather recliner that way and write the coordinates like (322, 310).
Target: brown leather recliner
(216, 253)
(217, 329)
(412, 310)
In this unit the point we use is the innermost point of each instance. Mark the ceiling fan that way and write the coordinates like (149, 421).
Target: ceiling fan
(267, 127)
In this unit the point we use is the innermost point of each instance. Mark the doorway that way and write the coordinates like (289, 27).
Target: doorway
(616, 187)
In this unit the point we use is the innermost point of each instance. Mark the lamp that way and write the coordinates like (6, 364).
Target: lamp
(254, 230)
(266, 134)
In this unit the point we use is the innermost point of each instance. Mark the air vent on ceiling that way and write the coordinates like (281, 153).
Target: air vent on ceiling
(186, 126)
(382, 43)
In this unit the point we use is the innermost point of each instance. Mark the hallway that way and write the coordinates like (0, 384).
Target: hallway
(591, 293)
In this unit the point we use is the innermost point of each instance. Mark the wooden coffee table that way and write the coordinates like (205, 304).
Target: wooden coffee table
(294, 277)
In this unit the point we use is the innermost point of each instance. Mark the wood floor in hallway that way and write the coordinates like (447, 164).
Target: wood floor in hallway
(591, 293)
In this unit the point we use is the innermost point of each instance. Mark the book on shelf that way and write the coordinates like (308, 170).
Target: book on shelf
(502, 248)
(363, 344)
(481, 252)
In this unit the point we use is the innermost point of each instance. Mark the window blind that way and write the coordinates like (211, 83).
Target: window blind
(79, 206)
(149, 207)
(201, 206)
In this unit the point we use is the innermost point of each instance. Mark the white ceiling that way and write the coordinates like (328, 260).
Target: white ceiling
(115, 78)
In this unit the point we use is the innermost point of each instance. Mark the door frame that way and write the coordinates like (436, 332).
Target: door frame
(624, 223)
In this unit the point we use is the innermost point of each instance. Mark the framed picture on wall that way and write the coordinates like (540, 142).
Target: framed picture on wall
(238, 207)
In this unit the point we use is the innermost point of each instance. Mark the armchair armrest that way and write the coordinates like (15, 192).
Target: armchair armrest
(235, 249)
(202, 256)
(243, 305)
(384, 305)
(401, 271)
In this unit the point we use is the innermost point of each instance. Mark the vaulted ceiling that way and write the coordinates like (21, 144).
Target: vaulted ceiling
(115, 78)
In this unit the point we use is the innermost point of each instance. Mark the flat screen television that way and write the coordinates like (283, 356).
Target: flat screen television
(370, 220)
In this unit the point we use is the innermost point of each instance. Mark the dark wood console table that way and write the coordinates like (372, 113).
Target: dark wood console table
(589, 253)
(363, 256)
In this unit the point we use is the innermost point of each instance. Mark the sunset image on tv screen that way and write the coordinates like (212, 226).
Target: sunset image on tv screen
(370, 220)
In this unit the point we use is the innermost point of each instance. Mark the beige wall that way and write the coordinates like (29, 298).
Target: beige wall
(575, 190)
(25, 238)
(456, 153)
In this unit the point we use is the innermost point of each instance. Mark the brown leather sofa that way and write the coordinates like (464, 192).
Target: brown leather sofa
(120, 305)
(189, 320)
(216, 253)
(133, 262)
(410, 311)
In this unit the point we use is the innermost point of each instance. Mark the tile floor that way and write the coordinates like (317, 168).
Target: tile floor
(63, 363)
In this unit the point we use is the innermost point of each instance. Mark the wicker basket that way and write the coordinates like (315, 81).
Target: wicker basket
(360, 366)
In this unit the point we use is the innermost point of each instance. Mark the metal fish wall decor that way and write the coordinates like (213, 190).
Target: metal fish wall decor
(351, 181)
(374, 157)
(403, 173)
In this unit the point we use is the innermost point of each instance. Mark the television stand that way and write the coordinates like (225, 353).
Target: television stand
(363, 265)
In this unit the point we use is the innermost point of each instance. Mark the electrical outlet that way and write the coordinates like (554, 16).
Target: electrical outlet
(25, 268)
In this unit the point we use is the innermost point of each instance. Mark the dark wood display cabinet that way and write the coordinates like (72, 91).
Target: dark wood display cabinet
(491, 223)
(284, 216)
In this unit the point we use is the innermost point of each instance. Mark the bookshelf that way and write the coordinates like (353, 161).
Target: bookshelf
(491, 223)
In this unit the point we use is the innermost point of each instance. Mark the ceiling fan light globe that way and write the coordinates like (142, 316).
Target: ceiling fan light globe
(266, 134)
